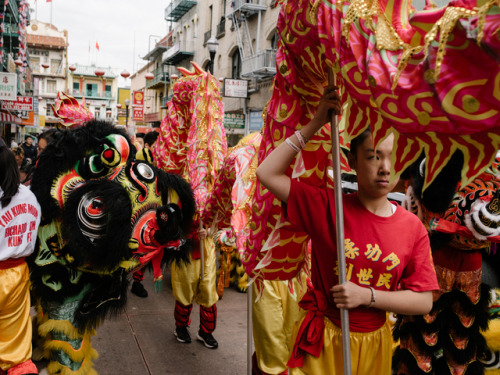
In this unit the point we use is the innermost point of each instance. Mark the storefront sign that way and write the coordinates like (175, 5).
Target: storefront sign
(23, 103)
(235, 88)
(138, 106)
(8, 86)
(255, 122)
(234, 120)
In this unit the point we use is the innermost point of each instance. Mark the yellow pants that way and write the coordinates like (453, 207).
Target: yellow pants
(15, 321)
(187, 285)
(273, 318)
(371, 352)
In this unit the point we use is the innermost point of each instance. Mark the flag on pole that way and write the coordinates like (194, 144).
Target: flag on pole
(48, 1)
(97, 46)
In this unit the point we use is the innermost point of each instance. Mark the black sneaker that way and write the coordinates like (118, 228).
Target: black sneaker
(207, 339)
(182, 334)
(138, 290)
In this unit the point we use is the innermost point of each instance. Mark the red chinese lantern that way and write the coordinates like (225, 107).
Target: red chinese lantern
(72, 68)
(125, 74)
(18, 62)
(45, 65)
(149, 76)
(103, 104)
(99, 72)
(118, 106)
(174, 76)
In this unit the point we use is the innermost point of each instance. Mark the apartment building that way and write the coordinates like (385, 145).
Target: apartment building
(98, 85)
(15, 71)
(244, 33)
(48, 51)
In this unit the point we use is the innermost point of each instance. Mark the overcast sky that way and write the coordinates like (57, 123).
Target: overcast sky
(114, 24)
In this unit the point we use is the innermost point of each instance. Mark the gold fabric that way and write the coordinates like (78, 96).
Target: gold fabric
(371, 352)
(15, 321)
(273, 317)
(186, 283)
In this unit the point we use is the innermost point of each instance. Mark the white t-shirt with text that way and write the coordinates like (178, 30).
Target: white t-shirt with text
(19, 223)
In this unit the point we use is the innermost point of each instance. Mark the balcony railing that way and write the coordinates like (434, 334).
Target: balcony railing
(180, 50)
(221, 27)
(161, 78)
(249, 7)
(177, 9)
(261, 64)
(94, 94)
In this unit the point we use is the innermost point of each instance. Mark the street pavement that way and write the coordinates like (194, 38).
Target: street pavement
(140, 341)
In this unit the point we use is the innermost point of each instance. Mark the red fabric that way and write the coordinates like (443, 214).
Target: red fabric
(27, 367)
(311, 331)
(374, 246)
(182, 314)
(11, 263)
(208, 318)
(456, 260)
(446, 226)
(96, 44)
(151, 250)
(138, 275)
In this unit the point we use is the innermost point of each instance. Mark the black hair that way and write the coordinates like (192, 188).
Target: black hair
(139, 135)
(151, 137)
(9, 175)
(359, 140)
(47, 135)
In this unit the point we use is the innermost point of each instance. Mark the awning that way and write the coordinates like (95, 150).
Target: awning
(6, 117)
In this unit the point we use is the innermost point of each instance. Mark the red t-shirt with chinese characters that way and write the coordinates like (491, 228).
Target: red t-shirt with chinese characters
(386, 253)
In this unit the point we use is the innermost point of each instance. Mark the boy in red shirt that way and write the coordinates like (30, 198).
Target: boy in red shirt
(389, 266)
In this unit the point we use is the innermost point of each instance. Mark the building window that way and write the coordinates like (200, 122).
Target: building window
(236, 65)
(76, 87)
(51, 86)
(91, 89)
(35, 64)
(49, 110)
(107, 91)
(55, 66)
(274, 41)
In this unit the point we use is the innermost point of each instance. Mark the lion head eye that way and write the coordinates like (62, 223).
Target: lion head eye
(145, 171)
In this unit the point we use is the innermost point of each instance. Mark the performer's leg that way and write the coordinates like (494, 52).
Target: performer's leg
(184, 281)
(137, 287)
(208, 318)
(182, 314)
(15, 321)
(207, 297)
(273, 316)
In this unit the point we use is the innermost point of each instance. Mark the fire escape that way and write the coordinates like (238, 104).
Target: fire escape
(256, 64)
